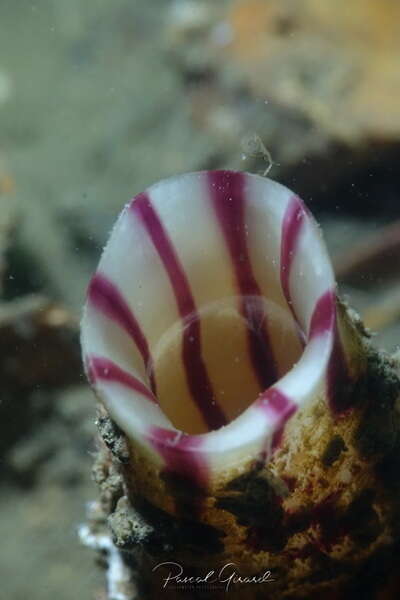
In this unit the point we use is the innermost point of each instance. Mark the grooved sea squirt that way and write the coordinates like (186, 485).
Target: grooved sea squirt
(257, 425)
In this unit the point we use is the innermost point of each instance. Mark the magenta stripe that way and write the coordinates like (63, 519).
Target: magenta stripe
(229, 198)
(339, 381)
(105, 296)
(324, 315)
(103, 369)
(196, 373)
(278, 408)
(291, 227)
(180, 453)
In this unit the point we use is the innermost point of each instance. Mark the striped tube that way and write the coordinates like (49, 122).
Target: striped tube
(206, 293)
(213, 298)
(212, 336)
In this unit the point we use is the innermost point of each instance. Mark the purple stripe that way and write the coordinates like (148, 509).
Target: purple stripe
(228, 197)
(103, 369)
(180, 453)
(278, 408)
(198, 381)
(324, 315)
(291, 227)
(339, 381)
(105, 296)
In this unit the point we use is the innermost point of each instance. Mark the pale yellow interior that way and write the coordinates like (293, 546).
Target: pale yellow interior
(225, 352)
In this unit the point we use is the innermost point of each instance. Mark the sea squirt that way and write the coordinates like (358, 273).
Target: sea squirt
(214, 339)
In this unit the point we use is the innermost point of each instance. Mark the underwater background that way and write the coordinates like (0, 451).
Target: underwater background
(98, 100)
